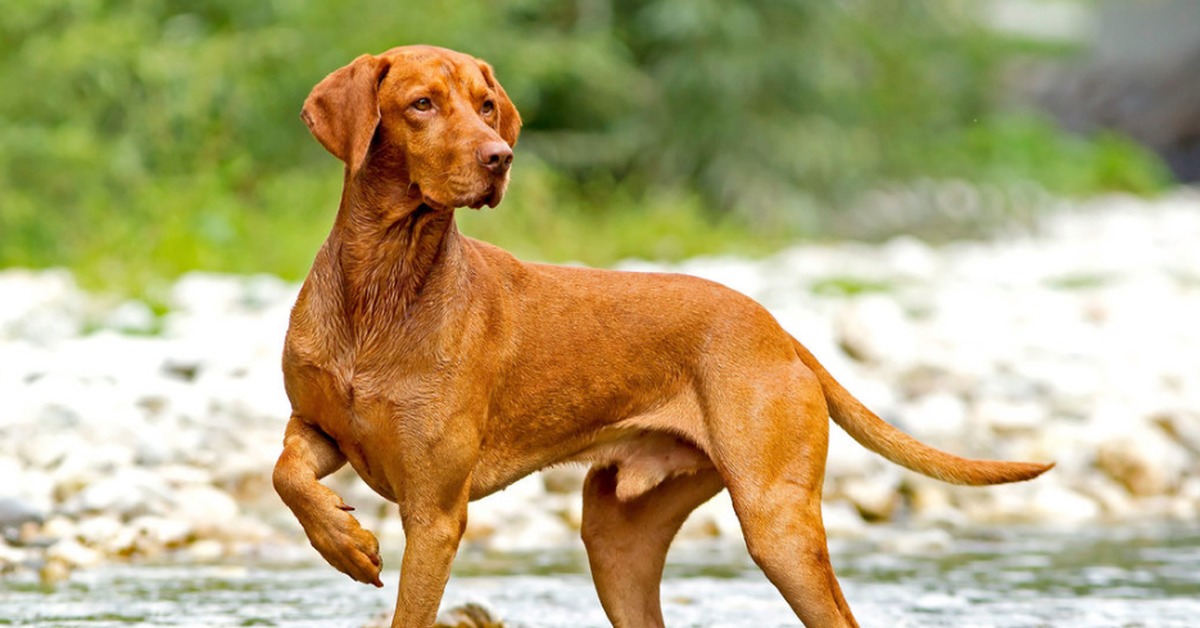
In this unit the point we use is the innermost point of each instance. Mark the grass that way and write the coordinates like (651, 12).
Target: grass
(1080, 281)
(847, 286)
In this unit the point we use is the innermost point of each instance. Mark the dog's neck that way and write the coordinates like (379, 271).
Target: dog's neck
(391, 248)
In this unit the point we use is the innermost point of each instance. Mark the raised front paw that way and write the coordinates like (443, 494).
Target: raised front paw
(346, 545)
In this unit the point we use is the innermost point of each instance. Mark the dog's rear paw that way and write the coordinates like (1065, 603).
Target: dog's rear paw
(348, 547)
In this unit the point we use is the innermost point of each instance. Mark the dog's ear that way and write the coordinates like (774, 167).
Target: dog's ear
(510, 120)
(342, 111)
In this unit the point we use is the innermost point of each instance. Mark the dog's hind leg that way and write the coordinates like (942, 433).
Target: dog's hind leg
(773, 432)
(309, 455)
(627, 541)
(786, 538)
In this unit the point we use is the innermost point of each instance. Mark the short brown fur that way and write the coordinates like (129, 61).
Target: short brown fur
(444, 369)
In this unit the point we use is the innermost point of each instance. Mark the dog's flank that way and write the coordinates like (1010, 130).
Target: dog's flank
(444, 369)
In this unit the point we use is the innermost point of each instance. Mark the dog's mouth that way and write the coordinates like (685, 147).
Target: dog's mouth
(488, 197)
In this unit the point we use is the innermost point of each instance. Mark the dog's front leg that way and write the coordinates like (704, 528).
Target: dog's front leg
(309, 455)
(436, 462)
(431, 541)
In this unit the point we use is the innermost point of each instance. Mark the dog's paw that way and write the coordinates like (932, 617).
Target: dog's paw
(347, 546)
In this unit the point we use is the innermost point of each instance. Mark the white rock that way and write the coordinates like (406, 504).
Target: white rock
(911, 258)
(59, 527)
(98, 530)
(921, 541)
(564, 479)
(10, 555)
(939, 417)
(206, 550)
(573, 513)
(210, 294)
(1008, 417)
(518, 519)
(1115, 502)
(1146, 462)
(842, 520)
(390, 532)
(28, 499)
(206, 508)
(42, 307)
(847, 458)
(130, 316)
(34, 487)
(875, 329)
(928, 498)
(535, 530)
(717, 515)
(126, 493)
(162, 531)
(875, 498)
(1007, 503)
(1063, 506)
(74, 554)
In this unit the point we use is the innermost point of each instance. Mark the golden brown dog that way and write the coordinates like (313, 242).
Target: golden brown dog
(443, 369)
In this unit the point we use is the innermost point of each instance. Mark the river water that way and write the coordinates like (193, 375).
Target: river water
(1126, 577)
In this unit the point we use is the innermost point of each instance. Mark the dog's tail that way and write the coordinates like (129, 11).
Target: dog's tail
(882, 438)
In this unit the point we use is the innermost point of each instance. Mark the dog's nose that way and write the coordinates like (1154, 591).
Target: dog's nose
(495, 156)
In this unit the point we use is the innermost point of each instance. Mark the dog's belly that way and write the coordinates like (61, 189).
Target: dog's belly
(647, 449)
(643, 459)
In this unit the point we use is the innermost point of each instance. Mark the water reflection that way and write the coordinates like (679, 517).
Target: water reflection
(1130, 576)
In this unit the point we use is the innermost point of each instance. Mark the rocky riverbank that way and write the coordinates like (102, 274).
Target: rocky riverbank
(125, 434)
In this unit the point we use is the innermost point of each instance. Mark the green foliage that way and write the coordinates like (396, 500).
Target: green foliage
(143, 138)
(549, 216)
(780, 110)
(1013, 147)
(847, 286)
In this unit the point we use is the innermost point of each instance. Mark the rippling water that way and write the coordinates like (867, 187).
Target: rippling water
(1101, 577)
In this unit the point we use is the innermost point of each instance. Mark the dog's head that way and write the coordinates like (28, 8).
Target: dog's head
(435, 119)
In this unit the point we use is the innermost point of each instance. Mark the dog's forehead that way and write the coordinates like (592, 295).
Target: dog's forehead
(428, 66)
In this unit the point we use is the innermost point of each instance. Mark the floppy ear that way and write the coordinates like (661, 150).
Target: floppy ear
(342, 111)
(510, 120)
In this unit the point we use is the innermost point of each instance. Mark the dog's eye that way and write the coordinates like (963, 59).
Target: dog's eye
(422, 104)
(487, 108)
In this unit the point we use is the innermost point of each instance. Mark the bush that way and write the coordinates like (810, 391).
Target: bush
(144, 138)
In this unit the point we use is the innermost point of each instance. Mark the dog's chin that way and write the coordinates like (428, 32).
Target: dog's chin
(489, 198)
(487, 195)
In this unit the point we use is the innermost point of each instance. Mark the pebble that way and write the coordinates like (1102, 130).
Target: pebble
(1062, 506)
(1146, 462)
(876, 498)
(876, 329)
(73, 553)
(15, 513)
(842, 520)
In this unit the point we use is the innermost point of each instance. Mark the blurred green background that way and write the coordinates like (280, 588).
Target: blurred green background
(140, 139)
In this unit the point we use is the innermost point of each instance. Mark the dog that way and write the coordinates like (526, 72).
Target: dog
(443, 369)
